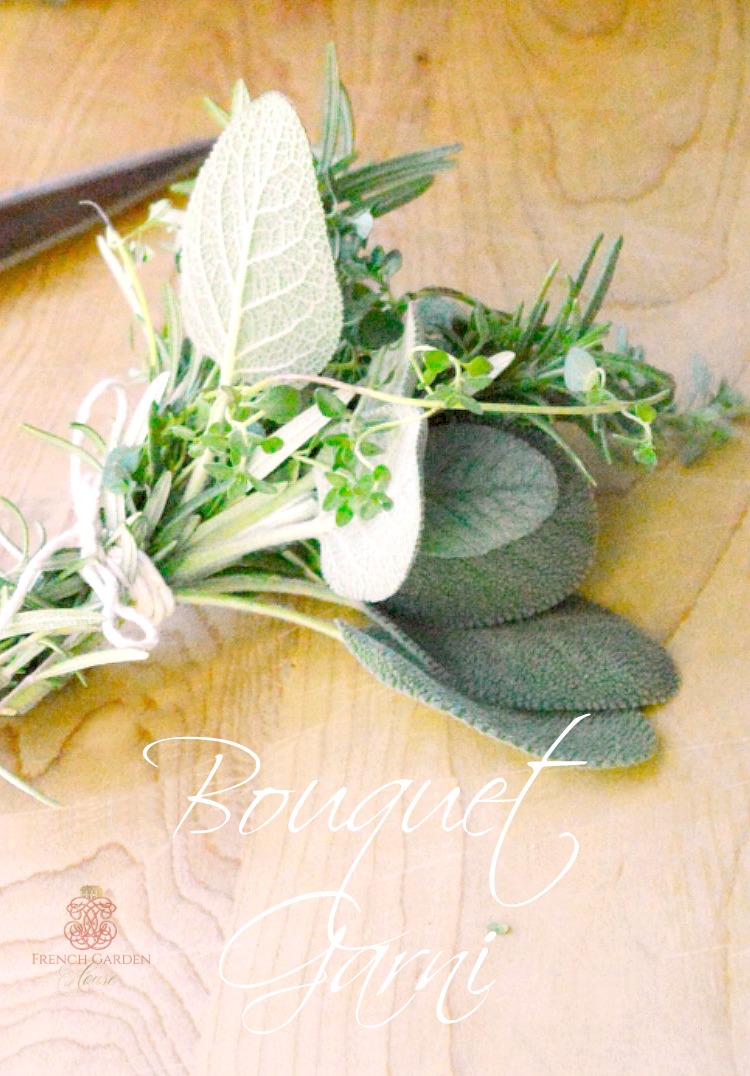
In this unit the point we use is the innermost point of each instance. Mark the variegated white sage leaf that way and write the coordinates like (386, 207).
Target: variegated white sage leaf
(368, 560)
(259, 289)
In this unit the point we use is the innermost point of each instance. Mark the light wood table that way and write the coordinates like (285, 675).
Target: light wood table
(575, 118)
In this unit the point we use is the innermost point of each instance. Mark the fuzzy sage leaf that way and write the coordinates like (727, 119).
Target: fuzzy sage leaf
(369, 559)
(483, 488)
(576, 656)
(259, 290)
(521, 578)
(609, 738)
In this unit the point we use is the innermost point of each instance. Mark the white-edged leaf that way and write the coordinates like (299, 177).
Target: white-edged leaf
(259, 290)
(500, 362)
(368, 560)
(580, 370)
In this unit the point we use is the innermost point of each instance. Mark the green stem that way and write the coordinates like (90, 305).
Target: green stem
(267, 583)
(18, 783)
(208, 558)
(611, 407)
(247, 512)
(148, 325)
(261, 608)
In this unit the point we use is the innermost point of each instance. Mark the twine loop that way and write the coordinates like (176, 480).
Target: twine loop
(134, 596)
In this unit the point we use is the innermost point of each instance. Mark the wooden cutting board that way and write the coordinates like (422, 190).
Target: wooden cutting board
(575, 118)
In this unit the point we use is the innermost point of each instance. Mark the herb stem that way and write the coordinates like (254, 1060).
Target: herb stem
(22, 786)
(266, 583)
(261, 608)
(610, 407)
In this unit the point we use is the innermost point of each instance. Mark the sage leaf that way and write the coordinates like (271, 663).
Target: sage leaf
(483, 488)
(442, 320)
(259, 289)
(521, 578)
(577, 655)
(368, 559)
(606, 739)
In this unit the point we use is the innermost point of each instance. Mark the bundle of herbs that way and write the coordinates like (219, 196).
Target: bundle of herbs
(304, 432)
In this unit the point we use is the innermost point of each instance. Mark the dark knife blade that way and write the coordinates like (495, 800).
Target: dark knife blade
(38, 217)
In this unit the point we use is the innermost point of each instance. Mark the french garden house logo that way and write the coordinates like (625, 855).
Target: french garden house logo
(90, 925)
(84, 958)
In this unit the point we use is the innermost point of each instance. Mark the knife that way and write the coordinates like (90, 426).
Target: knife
(36, 218)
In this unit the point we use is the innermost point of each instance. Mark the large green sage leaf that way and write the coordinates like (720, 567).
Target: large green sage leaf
(521, 578)
(483, 488)
(606, 739)
(259, 290)
(575, 656)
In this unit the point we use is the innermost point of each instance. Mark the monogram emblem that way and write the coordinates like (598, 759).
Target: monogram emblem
(90, 926)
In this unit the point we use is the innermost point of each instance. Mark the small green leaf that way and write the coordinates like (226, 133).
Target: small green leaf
(281, 403)
(119, 466)
(379, 328)
(271, 444)
(483, 489)
(260, 485)
(478, 367)
(645, 412)
(436, 361)
(369, 510)
(645, 454)
(329, 404)
(333, 499)
(370, 448)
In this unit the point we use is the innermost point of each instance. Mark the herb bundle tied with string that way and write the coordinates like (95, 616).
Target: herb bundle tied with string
(304, 432)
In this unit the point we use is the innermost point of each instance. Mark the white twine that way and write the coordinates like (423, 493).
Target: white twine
(131, 589)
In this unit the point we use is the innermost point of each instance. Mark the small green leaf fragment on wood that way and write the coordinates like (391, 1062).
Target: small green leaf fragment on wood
(498, 928)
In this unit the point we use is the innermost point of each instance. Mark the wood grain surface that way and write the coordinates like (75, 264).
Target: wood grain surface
(575, 118)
